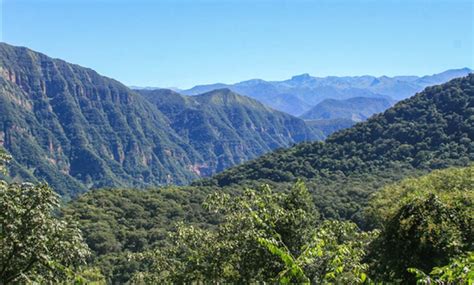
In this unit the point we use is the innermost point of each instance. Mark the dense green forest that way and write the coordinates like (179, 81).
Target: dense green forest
(423, 231)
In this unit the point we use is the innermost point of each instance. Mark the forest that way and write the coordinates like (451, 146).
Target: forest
(389, 200)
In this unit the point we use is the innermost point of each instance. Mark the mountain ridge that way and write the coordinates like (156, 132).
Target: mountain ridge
(77, 129)
(306, 91)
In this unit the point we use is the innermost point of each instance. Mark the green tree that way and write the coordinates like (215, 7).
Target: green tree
(36, 245)
(459, 271)
(263, 236)
(424, 223)
(334, 255)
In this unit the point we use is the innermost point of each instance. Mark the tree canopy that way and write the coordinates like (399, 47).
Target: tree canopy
(35, 245)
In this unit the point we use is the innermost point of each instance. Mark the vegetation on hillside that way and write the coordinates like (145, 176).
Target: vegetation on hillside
(117, 222)
(367, 205)
(425, 222)
(272, 236)
(36, 246)
(434, 129)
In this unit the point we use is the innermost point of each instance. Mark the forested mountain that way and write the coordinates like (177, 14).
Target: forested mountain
(356, 109)
(433, 129)
(298, 94)
(77, 130)
(227, 129)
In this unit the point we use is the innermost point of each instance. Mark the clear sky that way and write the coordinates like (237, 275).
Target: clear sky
(183, 43)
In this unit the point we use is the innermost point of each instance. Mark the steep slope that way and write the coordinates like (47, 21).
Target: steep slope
(296, 95)
(77, 130)
(356, 109)
(434, 129)
(227, 128)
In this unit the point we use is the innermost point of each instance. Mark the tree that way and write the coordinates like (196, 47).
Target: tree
(424, 223)
(459, 271)
(35, 244)
(334, 255)
(264, 236)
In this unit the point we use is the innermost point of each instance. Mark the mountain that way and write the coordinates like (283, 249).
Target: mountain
(226, 128)
(433, 129)
(77, 130)
(298, 94)
(356, 109)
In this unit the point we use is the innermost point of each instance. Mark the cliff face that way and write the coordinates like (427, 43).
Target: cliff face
(77, 129)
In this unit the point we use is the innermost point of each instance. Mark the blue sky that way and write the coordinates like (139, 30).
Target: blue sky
(184, 43)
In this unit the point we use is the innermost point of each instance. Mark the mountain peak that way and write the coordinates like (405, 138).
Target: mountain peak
(225, 96)
(301, 77)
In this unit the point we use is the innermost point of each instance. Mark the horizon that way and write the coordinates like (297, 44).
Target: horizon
(209, 42)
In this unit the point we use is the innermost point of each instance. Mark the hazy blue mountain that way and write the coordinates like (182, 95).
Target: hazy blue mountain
(356, 109)
(298, 94)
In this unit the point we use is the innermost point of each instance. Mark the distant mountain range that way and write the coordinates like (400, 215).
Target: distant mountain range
(69, 126)
(302, 92)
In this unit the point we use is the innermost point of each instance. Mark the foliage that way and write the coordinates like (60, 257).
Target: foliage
(459, 271)
(424, 222)
(264, 236)
(118, 222)
(35, 245)
(4, 159)
(334, 254)
(454, 184)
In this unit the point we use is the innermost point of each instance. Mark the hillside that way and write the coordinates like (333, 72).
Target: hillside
(356, 109)
(298, 94)
(227, 129)
(77, 130)
(433, 129)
